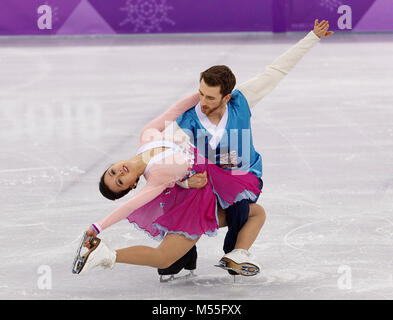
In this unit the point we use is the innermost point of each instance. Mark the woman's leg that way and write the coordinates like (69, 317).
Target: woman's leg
(249, 232)
(172, 248)
(222, 221)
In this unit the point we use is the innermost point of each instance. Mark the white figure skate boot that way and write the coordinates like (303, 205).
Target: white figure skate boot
(241, 262)
(99, 255)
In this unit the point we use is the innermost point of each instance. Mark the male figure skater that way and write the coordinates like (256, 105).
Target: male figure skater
(220, 127)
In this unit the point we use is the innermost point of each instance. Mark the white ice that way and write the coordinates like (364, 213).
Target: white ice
(69, 107)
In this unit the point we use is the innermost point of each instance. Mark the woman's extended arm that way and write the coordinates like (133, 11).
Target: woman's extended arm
(159, 124)
(157, 183)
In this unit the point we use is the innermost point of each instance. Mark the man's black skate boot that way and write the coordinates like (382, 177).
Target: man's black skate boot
(188, 262)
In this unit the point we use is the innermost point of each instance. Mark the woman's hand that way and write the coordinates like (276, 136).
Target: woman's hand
(90, 233)
(197, 181)
(321, 29)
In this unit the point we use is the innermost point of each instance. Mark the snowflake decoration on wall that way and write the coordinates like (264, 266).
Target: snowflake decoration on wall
(146, 15)
(330, 4)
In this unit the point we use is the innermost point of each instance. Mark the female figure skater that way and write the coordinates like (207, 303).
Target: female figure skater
(165, 208)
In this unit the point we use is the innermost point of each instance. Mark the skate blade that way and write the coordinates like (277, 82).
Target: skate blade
(78, 258)
(244, 269)
(173, 278)
(80, 261)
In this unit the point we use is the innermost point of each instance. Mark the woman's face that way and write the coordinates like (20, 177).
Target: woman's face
(119, 177)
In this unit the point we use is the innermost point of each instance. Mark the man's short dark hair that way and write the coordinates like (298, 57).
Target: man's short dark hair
(108, 193)
(219, 76)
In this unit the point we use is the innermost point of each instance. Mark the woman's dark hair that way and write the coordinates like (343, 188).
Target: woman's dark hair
(108, 193)
(219, 76)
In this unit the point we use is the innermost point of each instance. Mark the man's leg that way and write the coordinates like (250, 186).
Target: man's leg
(236, 216)
(187, 262)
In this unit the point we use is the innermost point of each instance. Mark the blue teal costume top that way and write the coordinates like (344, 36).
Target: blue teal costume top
(234, 137)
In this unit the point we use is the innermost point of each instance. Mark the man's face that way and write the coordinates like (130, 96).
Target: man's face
(210, 97)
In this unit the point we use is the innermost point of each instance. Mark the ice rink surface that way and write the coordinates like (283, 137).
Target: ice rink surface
(69, 107)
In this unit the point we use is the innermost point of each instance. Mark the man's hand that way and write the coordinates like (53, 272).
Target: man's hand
(197, 181)
(321, 29)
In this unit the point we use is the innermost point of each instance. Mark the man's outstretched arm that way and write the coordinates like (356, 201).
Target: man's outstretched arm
(258, 87)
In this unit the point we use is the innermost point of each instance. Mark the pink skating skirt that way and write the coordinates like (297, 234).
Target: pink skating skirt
(193, 212)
